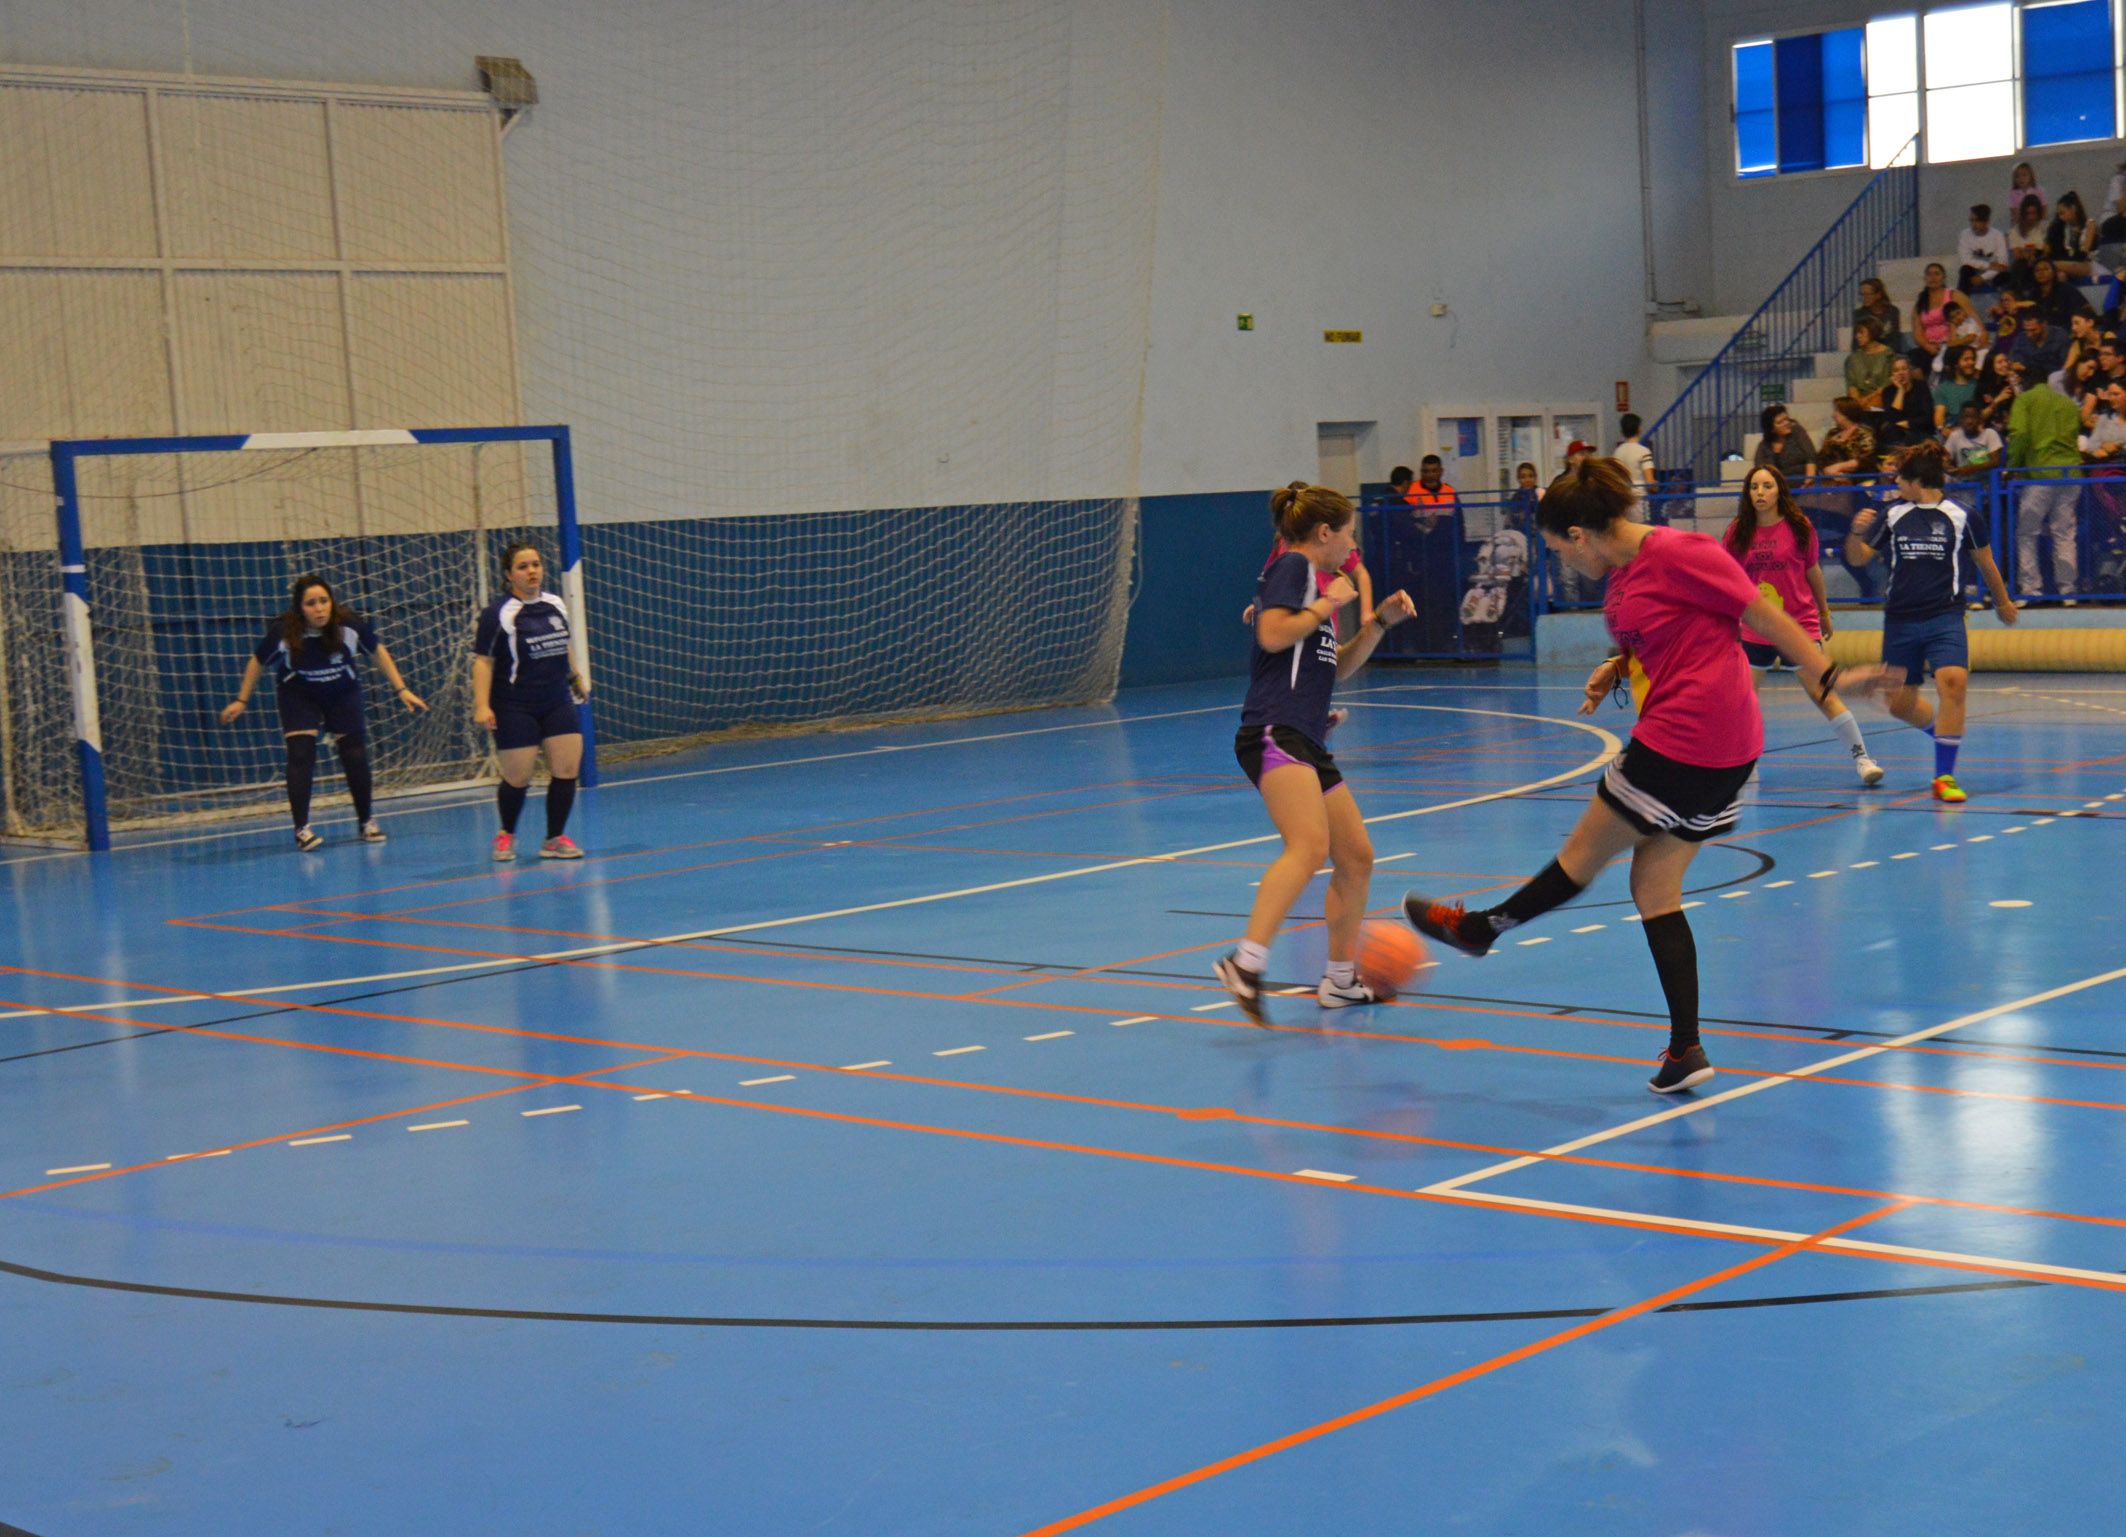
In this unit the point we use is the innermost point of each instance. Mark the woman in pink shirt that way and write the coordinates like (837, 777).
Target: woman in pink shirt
(1775, 544)
(1675, 602)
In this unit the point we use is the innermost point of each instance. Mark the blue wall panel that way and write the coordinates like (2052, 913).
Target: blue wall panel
(1200, 555)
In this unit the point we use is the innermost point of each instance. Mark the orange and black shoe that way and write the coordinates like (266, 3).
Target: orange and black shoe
(1448, 923)
(1947, 789)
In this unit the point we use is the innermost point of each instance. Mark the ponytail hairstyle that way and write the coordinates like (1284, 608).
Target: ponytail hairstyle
(1926, 463)
(1743, 530)
(1299, 509)
(295, 628)
(1593, 494)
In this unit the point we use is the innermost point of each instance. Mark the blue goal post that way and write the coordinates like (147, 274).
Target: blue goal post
(79, 619)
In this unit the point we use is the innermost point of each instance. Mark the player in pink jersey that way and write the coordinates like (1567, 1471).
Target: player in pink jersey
(1674, 602)
(1776, 545)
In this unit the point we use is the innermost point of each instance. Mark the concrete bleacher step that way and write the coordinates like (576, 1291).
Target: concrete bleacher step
(1817, 388)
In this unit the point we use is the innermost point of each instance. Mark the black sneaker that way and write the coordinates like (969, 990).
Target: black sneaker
(1445, 922)
(1244, 985)
(1674, 1074)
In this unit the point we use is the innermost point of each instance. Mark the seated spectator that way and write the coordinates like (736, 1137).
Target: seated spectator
(2110, 360)
(1974, 448)
(2026, 240)
(1907, 413)
(1934, 316)
(2108, 245)
(1785, 445)
(2044, 430)
(2022, 185)
(2039, 348)
(2070, 239)
(1981, 252)
(1878, 311)
(1996, 389)
(2083, 337)
(1959, 383)
(1867, 366)
(2077, 381)
(1849, 447)
(2043, 291)
(2103, 438)
(2117, 189)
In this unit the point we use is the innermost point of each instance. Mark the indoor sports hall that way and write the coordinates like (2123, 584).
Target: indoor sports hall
(621, 638)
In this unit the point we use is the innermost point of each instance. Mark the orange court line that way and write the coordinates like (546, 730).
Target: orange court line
(674, 1053)
(1440, 1385)
(536, 1082)
(989, 996)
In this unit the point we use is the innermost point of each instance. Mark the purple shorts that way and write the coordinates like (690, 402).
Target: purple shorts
(1262, 748)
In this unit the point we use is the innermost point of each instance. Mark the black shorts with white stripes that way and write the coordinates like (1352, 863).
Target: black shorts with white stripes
(1657, 794)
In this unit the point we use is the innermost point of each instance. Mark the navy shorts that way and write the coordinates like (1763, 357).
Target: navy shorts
(339, 713)
(1766, 658)
(1919, 644)
(1262, 748)
(520, 725)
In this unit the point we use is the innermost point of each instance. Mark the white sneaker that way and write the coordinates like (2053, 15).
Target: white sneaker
(1344, 995)
(306, 840)
(1869, 770)
(371, 832)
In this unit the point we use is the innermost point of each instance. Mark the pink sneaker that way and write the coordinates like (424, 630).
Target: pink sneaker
(559, 848)
(505, 845)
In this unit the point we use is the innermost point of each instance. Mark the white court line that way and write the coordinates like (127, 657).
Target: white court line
(949, 1051)
(264, 827)
(345, 1136)
(1775, 885)
(1589, 928)
(1779, 1235)
(1611, 746)
(551, 1110)
(80, 1168)
(1340, 1179)
(1134, 1019)
(865, 1067)
(1758, 1086)
(1053, 1035)
(1201, 1008)
(438, 1125)
(1540, 939)
(754, 1083)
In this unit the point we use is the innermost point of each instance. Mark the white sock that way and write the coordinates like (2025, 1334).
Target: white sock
(1341, 973)
(1848, 730)
(1252, 957)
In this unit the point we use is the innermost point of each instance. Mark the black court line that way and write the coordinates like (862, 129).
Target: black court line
(14, 1531)
(982, 1326)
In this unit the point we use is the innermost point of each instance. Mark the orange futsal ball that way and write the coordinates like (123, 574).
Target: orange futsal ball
(1389, 955)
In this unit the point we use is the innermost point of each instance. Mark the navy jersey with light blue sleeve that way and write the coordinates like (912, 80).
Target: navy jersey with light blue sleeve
(528, 644)
(1929, 551)
(323, 666)
(1291, 688)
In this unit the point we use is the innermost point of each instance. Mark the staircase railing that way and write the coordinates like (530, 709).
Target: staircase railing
(1803, 315)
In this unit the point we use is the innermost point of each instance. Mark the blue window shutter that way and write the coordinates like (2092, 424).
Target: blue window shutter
(1845, 98)
(2067, 53)
(1800, 95)
(1756, 131)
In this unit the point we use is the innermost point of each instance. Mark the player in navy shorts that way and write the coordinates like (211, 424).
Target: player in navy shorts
(524, 689)
(311, 649)
(1931, 541)
(1295, 663)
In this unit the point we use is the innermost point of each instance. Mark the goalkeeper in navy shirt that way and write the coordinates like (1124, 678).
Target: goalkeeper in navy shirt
(311, 650)
(524, 690)
(1293, 668)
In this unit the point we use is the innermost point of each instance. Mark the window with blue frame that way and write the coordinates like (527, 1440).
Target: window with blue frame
(2068, 90)
(1801, 103)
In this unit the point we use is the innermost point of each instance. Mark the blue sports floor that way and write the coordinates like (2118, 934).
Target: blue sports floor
(855, 1143)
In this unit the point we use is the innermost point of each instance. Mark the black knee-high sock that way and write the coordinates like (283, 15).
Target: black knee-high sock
(509, 801)
(1552, 887)
(1676, 959)
(560, 798)
(361, 782)
(302, 769)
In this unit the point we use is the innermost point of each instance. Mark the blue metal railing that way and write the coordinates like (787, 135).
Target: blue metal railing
(1803, 316)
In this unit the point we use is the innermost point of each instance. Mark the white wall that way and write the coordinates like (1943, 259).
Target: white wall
(1348, 163)
(1762, 227)
(789, 254)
